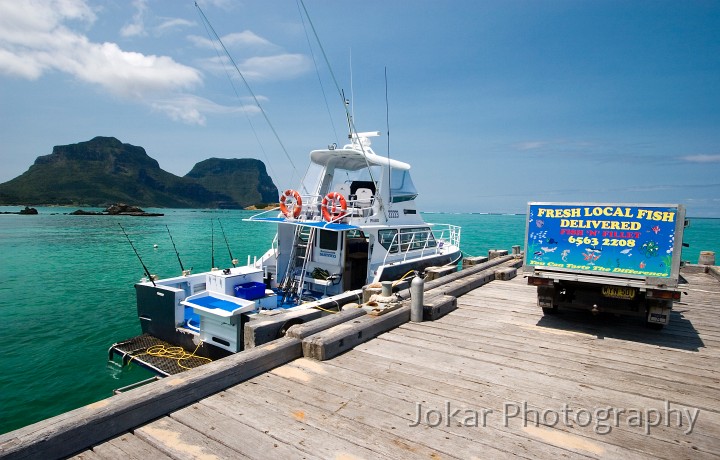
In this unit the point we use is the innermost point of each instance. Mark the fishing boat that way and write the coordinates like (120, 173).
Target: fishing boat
(353, 221)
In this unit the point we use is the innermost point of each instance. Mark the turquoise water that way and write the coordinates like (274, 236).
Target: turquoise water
(66, 290)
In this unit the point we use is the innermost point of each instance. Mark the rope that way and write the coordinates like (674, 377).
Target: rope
(176, 353)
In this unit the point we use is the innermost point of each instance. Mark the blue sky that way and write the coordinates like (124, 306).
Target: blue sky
(494, 103)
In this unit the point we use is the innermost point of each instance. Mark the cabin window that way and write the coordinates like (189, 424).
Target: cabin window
(387, 239)
(328, 240)
(416, 238)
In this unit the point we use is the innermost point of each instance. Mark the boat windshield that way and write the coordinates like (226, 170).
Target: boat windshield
(311, 182)
(345, 181)
(401, 186)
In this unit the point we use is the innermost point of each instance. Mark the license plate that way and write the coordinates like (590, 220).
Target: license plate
(618, 292)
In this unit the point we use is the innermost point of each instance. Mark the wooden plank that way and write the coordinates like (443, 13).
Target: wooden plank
(437, 307)
(579, 394)
(343, 337)
(300, 331)
(700, 393)
(128, 446)
(85, 455)
(246, 438)
(392, 407)
(74, 431)
(353, 404)
(505, 274)
(527, 339)
(182, 442)
(267, 328)
(467, 392)
(320, 432)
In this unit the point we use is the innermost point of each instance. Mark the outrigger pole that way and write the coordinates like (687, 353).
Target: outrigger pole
(182, 269)
(232, 259)
(147, 272)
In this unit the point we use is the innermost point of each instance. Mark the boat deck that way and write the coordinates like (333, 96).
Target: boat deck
(492, 379)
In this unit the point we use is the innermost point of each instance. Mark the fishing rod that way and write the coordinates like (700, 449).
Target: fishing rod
(232, 259)
(182, 269)
(147, 272)
(212, 243)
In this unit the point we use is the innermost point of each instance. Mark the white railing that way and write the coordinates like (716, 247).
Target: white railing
(427, 242)
(446, 233)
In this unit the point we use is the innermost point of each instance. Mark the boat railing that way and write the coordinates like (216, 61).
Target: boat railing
(356, 207)
(312, 209)
(406, 243)
(428, 242)
(446, 234)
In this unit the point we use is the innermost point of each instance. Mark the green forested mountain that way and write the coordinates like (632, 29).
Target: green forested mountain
(104, 170)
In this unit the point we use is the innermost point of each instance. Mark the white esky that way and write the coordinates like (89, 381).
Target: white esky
(493, 103)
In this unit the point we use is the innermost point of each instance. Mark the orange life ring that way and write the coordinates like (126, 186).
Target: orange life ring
(296, 206)
(330, 205)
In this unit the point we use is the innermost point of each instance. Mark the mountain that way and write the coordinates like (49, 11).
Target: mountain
(104, 170)
(241, 180)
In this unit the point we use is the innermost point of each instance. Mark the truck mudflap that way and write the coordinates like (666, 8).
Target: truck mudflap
(658, 314)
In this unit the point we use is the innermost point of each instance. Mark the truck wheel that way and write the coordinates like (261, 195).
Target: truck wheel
(550, 310)
(654, 326)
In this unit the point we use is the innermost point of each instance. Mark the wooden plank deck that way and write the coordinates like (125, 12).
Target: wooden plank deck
(580, 381)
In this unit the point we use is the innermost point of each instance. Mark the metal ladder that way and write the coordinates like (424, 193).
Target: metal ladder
(300, 255)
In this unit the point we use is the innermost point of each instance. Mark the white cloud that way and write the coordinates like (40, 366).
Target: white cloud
(137, 26)
(191, 109)
(173, 23)
(701, 158)
(531, 145)
(35, 38)
(244, 39)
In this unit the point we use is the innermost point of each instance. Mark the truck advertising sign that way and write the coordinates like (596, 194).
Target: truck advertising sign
(617, 240)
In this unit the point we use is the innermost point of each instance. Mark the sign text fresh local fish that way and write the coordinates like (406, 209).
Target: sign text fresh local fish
(628, 240)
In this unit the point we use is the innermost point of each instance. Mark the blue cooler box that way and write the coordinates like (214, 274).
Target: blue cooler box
(250, 291)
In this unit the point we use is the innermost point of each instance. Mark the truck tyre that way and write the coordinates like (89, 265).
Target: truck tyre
(654, 326)
(550, 310)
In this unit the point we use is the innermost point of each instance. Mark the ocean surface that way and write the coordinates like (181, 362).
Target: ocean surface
(66, 290)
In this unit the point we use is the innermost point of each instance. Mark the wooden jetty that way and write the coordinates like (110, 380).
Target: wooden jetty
(493, 378)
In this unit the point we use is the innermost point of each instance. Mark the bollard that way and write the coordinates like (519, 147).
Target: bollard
(417, 287)
(387, 288)
(516, 250)
(706, 258)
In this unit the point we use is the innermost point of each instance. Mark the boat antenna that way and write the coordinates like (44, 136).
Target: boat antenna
(232, 259)
(352, 89)
(387, 125)
(182, 269)
(348, 116)
(353, 131)
(147, 272)
(214, 35)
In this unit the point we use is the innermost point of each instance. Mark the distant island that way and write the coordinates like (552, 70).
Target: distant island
(120, 209)
(103, 171)
(28, 211)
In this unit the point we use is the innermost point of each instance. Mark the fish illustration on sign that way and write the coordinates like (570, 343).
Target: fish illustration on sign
(627, 252)
(591, 255)
(642, 264)
(549, 249)
(564, 254)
